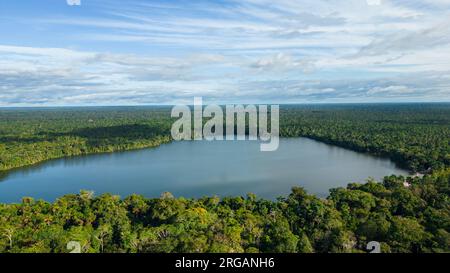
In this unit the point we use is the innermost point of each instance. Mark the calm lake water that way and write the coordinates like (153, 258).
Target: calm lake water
(195, 169)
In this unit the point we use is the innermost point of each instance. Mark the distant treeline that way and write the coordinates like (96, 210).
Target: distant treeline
(403, 215)
(415, 136)
(29, 136)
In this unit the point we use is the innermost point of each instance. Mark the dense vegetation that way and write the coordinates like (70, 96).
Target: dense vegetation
(405, 214)
(403, 219)
(29, 136)
(414, 135)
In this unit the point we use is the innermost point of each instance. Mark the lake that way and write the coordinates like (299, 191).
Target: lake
(199, 168)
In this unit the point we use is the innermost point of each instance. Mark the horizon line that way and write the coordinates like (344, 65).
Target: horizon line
(223, 104)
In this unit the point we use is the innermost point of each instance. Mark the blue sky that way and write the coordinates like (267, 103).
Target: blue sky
(240, 51)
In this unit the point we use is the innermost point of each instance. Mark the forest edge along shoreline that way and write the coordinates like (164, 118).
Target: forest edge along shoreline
(313, 118)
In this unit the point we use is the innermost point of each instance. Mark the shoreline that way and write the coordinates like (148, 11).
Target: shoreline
(318, 139)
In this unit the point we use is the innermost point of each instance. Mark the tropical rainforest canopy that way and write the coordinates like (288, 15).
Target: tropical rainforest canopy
(403, 219)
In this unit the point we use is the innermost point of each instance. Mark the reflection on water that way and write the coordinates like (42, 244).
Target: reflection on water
(194, 169)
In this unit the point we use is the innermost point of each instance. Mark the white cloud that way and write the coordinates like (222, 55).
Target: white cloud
(373, 2)
(281, 62)
(404, 41)
(246, 49)
(390, 90)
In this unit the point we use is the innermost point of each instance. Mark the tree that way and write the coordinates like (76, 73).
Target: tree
(406, 235)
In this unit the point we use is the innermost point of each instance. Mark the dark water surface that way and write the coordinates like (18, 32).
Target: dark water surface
(195, 169)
